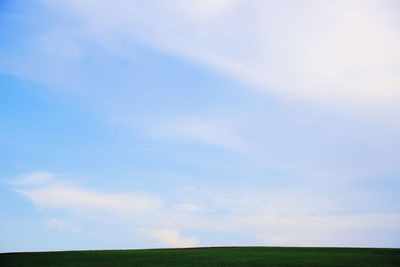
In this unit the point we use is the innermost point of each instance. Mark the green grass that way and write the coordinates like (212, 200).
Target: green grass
(223, 256)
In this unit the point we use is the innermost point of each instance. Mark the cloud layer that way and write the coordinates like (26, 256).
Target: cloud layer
(271, 218)
(341, 54)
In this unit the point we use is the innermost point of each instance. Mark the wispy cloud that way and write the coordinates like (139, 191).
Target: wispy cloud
(190, 207)
(170, 237)
(209, 131)
(55, 195)
(36, 178)
(340, 53)
(269, 216)
(77, 199)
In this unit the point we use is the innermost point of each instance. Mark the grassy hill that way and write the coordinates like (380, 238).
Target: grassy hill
(221, 256)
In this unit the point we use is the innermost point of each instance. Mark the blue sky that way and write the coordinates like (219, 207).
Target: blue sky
(131, 124)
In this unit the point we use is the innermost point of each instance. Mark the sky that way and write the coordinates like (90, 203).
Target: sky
(173, 123)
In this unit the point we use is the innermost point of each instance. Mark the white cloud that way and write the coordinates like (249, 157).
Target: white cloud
(56, 194)
(317, 230)
(77, 199)
(170, 237)
(333, 53)
(341, 53)
(189, 207)
(273, 217)
(218, 132)
(61, 42)
(36, 178)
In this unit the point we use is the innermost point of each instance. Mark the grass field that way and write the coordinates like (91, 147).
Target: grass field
(222, 256)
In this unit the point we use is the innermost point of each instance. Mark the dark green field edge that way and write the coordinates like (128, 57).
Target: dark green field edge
(215, 256)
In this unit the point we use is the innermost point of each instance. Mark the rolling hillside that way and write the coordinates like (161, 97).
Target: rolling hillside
(219, 256)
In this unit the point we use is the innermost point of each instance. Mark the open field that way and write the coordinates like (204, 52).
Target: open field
(220, 256)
